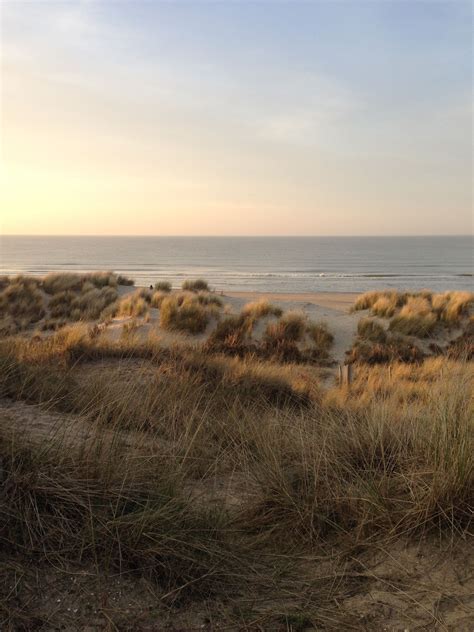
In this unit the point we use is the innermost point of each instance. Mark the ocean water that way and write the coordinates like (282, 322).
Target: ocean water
(273, 264)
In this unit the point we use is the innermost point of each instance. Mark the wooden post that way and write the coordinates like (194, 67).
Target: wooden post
(345, 374)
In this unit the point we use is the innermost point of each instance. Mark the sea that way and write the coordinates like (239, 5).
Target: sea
(263, 264)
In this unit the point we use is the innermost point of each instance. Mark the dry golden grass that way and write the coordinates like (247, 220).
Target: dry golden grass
(232, 335)
(133, 305)
(290, 328)
(163, 286)
(370, 329)
(21, 303)
(61, 282)
(415, 318)
(418, 313)
(195, 285)
(206, 298)
(452, 306)
(320, 335)
(55, 282)
(260, 309)
(348, 470)
(58, 297)
(87, 305)
(395, 348)
(124, 280)
(184, 313)
(157, 298)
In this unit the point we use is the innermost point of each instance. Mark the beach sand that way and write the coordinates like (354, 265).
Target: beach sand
(332, 308)
(340, 301)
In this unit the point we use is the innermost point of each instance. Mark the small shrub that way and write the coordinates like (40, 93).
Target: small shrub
(452, 306)
(260, 309)
(133, 305)
(8, 326)
(88, 305)
(92, 303)
(320, 335)
(61, 304)
(290, 328)
(366, 300)
(209, 299)
(64, 281)
(415, 318)
(55, 282)
(395, 349)
(23, 301)
(183, 314)
(145, 294)
(157, 299)
(101, 279)
(462, 347)
(52, 324)
(385, 302)
(370, 329)
(231, 335)
(196, 285)
(123, 280)
(385, 306)
(163, 286)
(419, 326)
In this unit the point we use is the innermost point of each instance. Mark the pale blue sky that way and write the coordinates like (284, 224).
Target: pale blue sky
(237, 117)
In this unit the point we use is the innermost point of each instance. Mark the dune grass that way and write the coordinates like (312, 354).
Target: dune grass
(27, 301)
(290, 338)
(415, 318)
(260, 309)
(134, 305)
(418, 313)
(195, 285)
(163, 286)
(21, 303)
(231, 335)
(321, 336)
(376, 345)
(184, 313)
(370, 329)
(390, 459)
(124, 280)
(87, 305)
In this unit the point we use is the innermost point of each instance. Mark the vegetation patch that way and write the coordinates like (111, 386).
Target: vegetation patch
(163, 286)
(184, 313)
(417, 313)
(195, 285)
(369, 329)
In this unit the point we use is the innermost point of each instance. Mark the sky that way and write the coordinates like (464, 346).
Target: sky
(236, 118)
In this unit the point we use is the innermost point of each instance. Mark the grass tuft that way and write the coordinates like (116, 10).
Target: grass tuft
(195, 285)
(163, 286)
(184, 313)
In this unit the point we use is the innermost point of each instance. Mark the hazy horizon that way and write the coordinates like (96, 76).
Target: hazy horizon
(236, 119)
(262, 236)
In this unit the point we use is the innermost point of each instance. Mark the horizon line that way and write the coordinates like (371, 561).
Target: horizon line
(298, 236)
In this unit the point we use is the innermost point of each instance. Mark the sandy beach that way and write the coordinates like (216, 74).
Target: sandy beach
(329, 307)
(340, 301)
